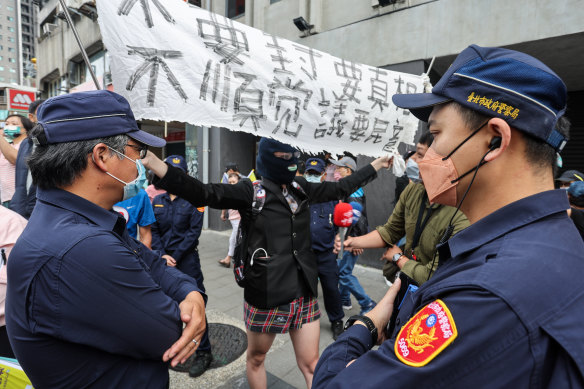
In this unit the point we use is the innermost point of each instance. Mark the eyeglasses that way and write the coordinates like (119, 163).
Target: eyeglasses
(142, 150)
(287, 156)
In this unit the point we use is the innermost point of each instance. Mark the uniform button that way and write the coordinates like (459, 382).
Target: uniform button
(397, 321)
(293, 217)
(295, 252)
(294, 235)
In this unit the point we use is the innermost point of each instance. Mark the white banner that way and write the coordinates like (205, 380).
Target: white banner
(174, 61)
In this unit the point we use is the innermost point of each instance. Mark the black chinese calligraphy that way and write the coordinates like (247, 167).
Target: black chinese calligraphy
(127, 5)
(378, 89)
(153, 60)
(379, 129)
(312, 54)
(248, 103)
(216, 74)
(282, 93)
(352, 75)
(278, 58)
(226, 41)
(394, 140)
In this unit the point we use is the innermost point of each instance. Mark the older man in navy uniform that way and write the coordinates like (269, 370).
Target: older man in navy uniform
(504, 309)
(88, 306)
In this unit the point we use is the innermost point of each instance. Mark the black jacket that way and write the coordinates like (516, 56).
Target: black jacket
(290, 269)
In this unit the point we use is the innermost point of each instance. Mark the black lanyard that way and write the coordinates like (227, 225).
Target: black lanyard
(421, 224)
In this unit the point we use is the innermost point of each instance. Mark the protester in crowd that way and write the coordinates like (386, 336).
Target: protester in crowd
(138, 213)
(348, 283)
(88, 306)
(11, 226)
(576, 211)
(568, 177)
(330, 168)
(501, 311)
(234, 217)
(12, 135)
(416, 156)
(423, 225)
(176, 235)
(230, 168)
(24, 198)
(151, 189)
(322, 232)
(280, 275)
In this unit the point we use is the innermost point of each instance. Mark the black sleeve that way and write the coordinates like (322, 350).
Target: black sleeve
(327, 191)
(220, 196)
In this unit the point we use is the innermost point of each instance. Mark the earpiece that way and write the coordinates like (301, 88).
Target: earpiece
(495, 143)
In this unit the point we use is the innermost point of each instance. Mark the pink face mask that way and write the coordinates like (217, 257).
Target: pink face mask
(438, 177)
(337, 176)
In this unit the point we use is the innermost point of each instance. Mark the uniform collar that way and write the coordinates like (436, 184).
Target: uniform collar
(109, 220)
(508, 218)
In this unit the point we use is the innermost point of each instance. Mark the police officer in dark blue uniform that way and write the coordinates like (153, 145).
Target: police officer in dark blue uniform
(176, 235)
(88, 306)
(323, 232)
(504, 309)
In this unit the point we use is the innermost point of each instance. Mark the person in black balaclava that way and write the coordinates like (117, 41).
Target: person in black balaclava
(281, 274)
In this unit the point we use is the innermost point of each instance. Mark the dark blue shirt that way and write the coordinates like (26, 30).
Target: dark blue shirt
(322, 229)
(512, 282)
(177, 227)
(88, 306)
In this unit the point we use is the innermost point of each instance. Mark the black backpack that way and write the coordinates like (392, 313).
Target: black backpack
(240, 254)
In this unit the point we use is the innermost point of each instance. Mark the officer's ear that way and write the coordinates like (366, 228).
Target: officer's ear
(499, 138)
(99, 156)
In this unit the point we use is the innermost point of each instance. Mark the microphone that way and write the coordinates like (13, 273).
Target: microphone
(343, 218)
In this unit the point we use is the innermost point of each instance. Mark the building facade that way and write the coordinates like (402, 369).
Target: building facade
(402, 35)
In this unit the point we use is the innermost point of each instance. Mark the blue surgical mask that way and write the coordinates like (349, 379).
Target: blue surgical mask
(412, 171)
(132, 188)
(312, 178)
(11, 132)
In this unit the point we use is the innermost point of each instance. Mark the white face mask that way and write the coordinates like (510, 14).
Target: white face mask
(131, 188)
(313, 178)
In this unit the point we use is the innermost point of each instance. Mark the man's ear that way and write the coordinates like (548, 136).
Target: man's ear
(500, 137)
(99, 155)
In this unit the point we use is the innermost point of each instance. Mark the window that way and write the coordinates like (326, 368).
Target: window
(1, 68)
(9, 8)
(11, 29)
(11, 39)
(12, 70)
(195, 2)
(13, 80)
(11, 50)
(235, 8)
(2, 79)
(273, 1)
(10, 18)
(1, 58)
(11, 60)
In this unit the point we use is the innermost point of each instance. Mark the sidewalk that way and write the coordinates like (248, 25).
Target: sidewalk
(225, 306)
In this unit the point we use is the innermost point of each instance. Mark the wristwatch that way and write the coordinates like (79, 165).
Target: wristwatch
(396, 257)
(368, 323)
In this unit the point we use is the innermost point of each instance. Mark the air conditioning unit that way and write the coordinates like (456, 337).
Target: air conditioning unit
(48, 28)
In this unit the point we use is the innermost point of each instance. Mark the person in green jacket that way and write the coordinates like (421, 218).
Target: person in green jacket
(422, 223)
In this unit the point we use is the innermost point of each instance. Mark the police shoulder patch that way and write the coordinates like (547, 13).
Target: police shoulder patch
(425, 335)
(201, 209)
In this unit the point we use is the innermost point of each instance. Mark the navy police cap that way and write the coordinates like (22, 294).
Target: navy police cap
(89, 115)
(177, 161)
(315, 164)
(500, 83)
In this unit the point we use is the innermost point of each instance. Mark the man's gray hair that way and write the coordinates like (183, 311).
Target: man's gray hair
(58, 165)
